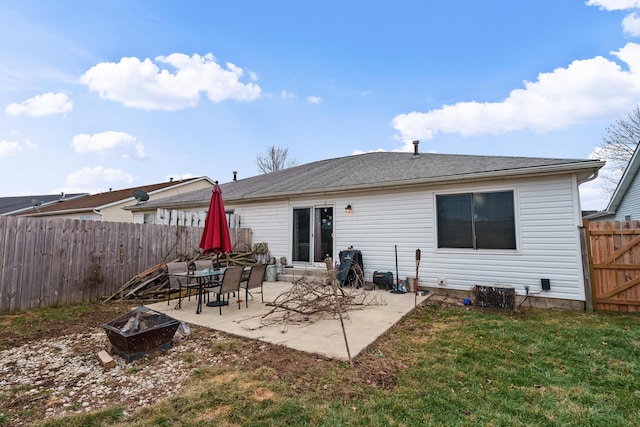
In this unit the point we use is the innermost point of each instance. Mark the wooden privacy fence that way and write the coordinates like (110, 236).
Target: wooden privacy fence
(615, 265)
(48, 261)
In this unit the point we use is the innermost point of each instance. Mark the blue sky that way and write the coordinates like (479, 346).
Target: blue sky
(118, 93)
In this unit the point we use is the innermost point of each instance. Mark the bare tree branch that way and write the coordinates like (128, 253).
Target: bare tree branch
(622, 137)
(617, 147)
(274, 159)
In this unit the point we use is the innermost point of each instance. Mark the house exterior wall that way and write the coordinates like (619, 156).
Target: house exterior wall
(119, 214)
(188, 217)
(87, 215)
(269, 222)
(629, 205)
(547, 220)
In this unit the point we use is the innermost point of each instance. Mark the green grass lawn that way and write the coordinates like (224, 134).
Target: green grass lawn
(453, 367)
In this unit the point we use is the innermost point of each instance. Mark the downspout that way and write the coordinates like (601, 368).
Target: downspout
(583, 260)
(599, 213)
(99, 213)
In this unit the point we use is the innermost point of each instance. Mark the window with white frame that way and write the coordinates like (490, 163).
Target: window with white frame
(480, 220)
(149, 218)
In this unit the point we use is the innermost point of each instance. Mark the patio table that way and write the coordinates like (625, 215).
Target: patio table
(201, 277)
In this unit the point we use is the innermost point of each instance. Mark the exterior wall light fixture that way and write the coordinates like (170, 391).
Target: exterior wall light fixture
(348, 209)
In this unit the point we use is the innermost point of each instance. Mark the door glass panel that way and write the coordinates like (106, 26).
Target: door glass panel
(301, 235)
(323, 233)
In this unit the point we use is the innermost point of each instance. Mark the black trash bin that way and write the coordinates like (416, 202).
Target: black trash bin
(351, 268)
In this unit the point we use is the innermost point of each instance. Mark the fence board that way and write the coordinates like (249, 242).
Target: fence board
(615, 263)
(48, 261)
(12, 269)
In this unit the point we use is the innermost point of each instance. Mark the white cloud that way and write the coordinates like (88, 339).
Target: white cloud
(30, 145)
(631, 24)
(287, 95)
(107, 142)
(614, 4)
(41, 105)
(12, 148)
(314, 99)
(96, 179)
(142, 84)
(586, 90)
(9, 148)
(180, 176)
(377, 150)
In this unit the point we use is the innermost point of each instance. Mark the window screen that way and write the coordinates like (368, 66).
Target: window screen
(476, 220)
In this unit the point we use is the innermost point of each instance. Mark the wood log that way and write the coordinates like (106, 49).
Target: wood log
(152, 282)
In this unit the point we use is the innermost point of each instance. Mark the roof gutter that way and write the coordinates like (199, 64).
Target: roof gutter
(97, 212)
(588, 178)
(54, 213)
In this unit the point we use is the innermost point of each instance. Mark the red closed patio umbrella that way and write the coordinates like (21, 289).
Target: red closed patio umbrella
(215, 236)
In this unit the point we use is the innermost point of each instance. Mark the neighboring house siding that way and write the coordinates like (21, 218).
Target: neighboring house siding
(117, 213)
(630, 204)
(546, 223)
(81, 215)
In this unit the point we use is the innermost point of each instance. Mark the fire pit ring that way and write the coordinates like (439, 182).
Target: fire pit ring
(140, 332)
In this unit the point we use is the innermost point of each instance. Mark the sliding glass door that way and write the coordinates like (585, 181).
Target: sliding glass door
(312, 234)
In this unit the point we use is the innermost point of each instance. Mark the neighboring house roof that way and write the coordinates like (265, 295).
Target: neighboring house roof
(102, 200)
(625, 182)
(18, 204)
(381, 170)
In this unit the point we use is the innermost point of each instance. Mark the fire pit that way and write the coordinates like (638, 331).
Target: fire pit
(140, 332)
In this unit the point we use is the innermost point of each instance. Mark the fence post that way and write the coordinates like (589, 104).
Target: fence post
(585, 247)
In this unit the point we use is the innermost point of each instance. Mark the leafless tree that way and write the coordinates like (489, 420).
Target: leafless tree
(275, 159)
(622, 137)
(618, 145)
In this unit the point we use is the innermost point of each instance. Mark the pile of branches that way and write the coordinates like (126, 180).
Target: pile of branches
(152, 285)
(312, 298)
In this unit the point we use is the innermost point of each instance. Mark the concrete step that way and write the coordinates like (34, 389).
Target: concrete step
(288, 274)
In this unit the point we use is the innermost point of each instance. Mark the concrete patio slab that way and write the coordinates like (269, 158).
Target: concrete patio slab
(322, 337)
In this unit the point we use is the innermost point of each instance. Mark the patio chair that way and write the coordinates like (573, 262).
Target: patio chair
(255, 280)
(203, 264)
(176, 282)
(230, 283)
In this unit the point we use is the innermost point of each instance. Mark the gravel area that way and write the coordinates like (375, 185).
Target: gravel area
(49, 365)
(63, 375)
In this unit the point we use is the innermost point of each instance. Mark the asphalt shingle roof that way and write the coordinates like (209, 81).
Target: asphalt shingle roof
(373, 170)
(95, 201)
(15, 203)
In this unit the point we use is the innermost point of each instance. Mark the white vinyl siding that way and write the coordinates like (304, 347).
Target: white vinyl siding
(548, 247)
(381, 222)
(269, 222)
(630, 203)
(546, 226)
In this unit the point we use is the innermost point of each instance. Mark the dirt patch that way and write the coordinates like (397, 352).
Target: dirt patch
(49, 367)
(262, 394)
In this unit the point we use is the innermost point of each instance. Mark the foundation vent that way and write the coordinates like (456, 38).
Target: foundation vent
(495, 296)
